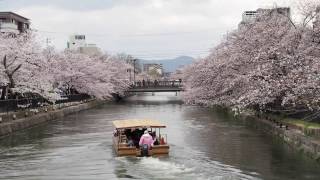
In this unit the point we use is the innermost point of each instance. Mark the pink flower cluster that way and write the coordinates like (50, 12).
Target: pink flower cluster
(270, 64)
(25, 67)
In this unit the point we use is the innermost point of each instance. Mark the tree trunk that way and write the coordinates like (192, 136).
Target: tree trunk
(11, 83)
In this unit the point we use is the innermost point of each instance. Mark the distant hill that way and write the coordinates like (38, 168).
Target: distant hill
(171, 65)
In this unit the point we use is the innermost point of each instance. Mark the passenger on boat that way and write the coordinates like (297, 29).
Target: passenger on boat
(128, 133)
(146, 139)
(115, 133)
(154, 138)
(130, 142)
(136, 137)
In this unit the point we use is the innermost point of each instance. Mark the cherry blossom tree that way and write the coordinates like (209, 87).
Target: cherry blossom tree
(22, 65)
(98, 76)
(271, 64)
(27, 68)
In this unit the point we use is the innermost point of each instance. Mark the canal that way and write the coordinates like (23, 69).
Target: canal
(205, 144)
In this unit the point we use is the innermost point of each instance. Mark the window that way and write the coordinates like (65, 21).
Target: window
(80, 37)
(5, 20)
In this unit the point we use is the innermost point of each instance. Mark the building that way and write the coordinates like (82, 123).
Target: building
(13, 23)
(251, 16)
(248, 17)
(90, 49)
(167, 75)
(153, 68)
(78, 43)
(285, 11)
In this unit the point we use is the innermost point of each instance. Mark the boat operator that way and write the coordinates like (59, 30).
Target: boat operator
(146, 139)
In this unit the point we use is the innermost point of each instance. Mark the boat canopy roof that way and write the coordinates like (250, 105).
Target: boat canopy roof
(137, 123)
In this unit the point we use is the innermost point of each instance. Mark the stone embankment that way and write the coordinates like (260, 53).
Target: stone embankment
(296, 138)
(14, 121)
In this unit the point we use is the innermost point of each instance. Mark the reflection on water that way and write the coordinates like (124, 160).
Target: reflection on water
(204, 144)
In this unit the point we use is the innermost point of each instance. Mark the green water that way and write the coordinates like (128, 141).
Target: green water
(204, 144)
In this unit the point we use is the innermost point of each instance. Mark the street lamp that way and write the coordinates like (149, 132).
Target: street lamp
(129, 71)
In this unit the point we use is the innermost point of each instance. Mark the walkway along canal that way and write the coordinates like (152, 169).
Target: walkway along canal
(205, 144)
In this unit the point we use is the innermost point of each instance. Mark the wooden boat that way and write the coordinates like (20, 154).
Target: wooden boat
(125, 146)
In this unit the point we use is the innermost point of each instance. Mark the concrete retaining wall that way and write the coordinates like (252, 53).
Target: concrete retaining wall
(23, 123)
(293, 137)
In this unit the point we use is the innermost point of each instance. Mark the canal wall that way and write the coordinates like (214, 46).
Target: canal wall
(295, 138)
(13, 121)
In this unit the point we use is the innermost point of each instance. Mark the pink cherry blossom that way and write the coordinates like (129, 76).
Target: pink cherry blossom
(271, 64)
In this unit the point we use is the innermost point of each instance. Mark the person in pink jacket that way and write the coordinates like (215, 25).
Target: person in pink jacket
(146, 138)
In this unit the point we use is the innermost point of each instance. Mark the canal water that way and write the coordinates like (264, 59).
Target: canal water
(204, 144)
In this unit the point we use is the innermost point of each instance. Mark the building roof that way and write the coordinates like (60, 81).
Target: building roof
(137, 123)
(14, 16)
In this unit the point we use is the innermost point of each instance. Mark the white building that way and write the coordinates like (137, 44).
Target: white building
(285, 11)
(78, 43)
(13, 23)
(250, 16)
(153, 68)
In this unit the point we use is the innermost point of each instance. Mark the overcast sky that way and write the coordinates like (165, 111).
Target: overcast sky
(148, 29)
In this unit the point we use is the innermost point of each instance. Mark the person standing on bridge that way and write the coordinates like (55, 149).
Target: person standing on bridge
(143, 83)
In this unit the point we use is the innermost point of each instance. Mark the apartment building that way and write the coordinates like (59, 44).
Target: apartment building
(13, 23)
(78, 43)
(250, 16)
(150, 68)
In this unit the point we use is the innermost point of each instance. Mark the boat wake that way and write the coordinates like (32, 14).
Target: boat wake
(165, 168)
(155, 164)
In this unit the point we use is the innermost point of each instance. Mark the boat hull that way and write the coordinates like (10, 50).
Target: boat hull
(124, 150)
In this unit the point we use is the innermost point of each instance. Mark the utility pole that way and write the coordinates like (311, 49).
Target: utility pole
(129, 71)
(48, 41)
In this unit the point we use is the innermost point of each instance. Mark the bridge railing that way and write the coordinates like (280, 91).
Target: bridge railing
(153, 84)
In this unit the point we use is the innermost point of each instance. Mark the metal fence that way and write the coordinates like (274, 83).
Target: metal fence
(30, 103)
(156, 83)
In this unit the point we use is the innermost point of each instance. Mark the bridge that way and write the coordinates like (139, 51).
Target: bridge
(156, 86)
